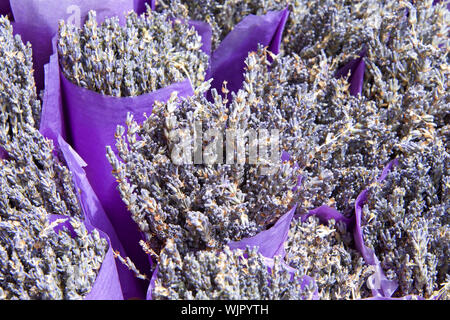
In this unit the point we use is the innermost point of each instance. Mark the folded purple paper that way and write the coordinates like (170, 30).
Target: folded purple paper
(356, 67)
(107, 285)
(95, 215)
(37, 22)
(228, 60)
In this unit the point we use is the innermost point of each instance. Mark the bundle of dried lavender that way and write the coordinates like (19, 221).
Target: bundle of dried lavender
(338, 141)
(407, 221)
(18, 99)
(225, 275)
(150, 52)
(324, 253)
(35, 261)
(38, 263)
(201, 205)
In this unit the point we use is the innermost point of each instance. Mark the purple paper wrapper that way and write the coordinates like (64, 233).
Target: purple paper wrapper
(96, 216)
(107, 285)
(228, 60)
(37, 22)
(356, 67)
(92, 121)
(88, 120)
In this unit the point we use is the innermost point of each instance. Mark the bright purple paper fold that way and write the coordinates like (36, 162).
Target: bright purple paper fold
(37, 22)
(92, 122)
(228, 60)
(356, 67)
(270, 242)
(107, 285)
(96, 216)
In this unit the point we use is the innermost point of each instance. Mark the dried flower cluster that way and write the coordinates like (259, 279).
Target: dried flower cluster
(18, 99)
(407, 221)
(324, 253)
(35, 261)
(38, 263)
(150, 52)
(338, 141)
(198, 205)
(34, 168)
(225, 275)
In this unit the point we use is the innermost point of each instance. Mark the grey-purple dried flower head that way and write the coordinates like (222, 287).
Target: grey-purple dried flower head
(224, 275)
(18, 99)
(37, 174)
(150, 52)
(324, 252)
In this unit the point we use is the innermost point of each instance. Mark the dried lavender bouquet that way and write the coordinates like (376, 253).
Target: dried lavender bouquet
(150, 52)
(36, 262)
(337, 141)
(225, 275)
(18, 99)
(202, 205)
(407, 221)
(325, 253)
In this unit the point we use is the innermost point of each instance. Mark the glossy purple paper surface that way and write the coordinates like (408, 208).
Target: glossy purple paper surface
(356, 67)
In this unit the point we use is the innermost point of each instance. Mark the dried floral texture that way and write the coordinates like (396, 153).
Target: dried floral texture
(407, 74)
(35, 261)
(225, 275)
(199, 205)
(338, 141)
(18, 99)
(407, 221)
(222, 15)
(339, 28)
(324, 253)
(149, 53)
(35, 175)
